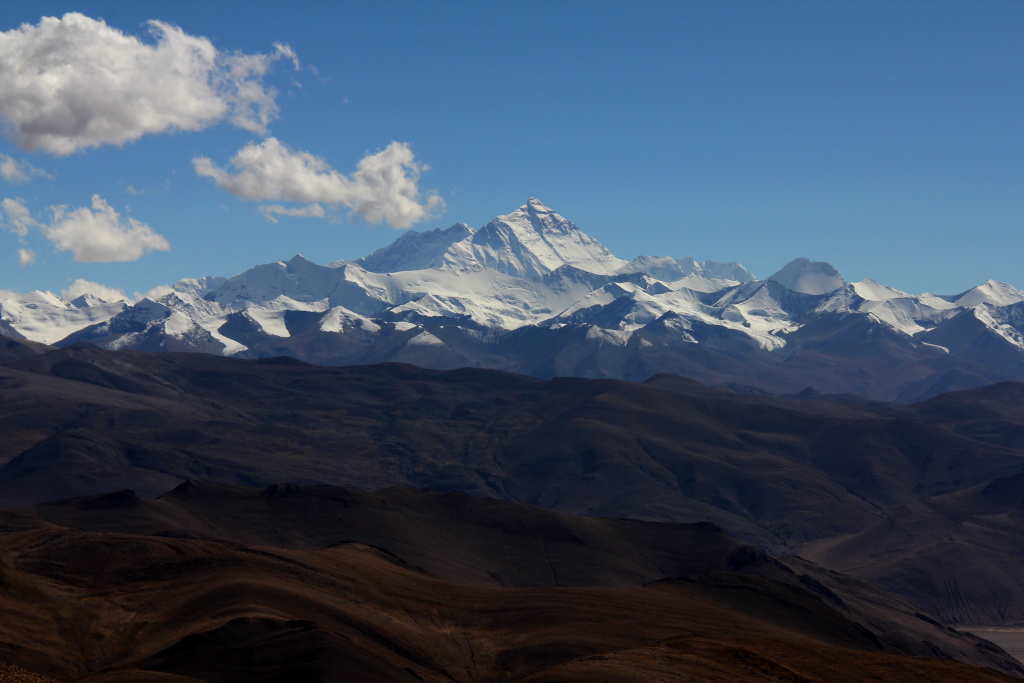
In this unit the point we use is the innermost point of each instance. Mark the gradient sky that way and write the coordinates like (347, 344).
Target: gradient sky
(883, 137)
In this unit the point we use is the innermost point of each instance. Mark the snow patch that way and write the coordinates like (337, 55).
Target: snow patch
(339, 319)
(995, 320)
(614, 337)
(424, 338)
(270, 321)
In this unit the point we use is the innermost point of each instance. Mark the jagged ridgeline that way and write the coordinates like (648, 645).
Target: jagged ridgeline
(532, 293)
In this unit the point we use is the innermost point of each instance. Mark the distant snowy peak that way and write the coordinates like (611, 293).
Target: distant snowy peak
(732, 270)
(86, 300)
(668, 269)
(871, 290)
(36, 299)
(992, 292)
(199, 287)
(664, 268)
(766, 298)
(533, 240)
(298, 278)
(809, 277)
(416, 250)
(905, 312)
(535, 216)
(47, 318)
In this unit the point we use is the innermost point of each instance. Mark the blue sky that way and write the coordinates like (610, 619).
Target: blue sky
(883, 137)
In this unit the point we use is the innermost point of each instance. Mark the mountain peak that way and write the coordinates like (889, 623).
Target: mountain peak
(415, 250)
(535, 216)
(536, 205)
(809, 277)
(992, 292)
(534, 240)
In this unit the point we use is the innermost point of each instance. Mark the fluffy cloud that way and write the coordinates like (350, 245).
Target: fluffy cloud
(14, 171)
(99, 234)
(155, 293)
(384, 188)
(16, 216)
(80, 287)
(26, 257)
(75, 82)
(272, 211)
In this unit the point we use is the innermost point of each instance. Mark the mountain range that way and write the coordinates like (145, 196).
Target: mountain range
(532, 293)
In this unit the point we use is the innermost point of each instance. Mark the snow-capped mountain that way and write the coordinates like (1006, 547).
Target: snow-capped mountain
(47, 318)
(531, 292)
(530, 242)
(809, 277)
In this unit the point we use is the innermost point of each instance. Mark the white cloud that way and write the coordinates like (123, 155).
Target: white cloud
(16, 216)
(384, 187)
(272, 211)
(156, 189)
(80, 287)
(99, 234)
(15, 171)
(155, 293)
(75, 82)
(285, 51)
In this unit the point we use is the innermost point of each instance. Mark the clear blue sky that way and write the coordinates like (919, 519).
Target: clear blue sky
(883, 137)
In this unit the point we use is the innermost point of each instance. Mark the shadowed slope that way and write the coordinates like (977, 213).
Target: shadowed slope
(452, 536)
(80, 601)
(957, 555)
(773, 471)
(20, 348)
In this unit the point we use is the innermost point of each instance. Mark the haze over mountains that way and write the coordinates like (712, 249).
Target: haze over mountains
(532, 293)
